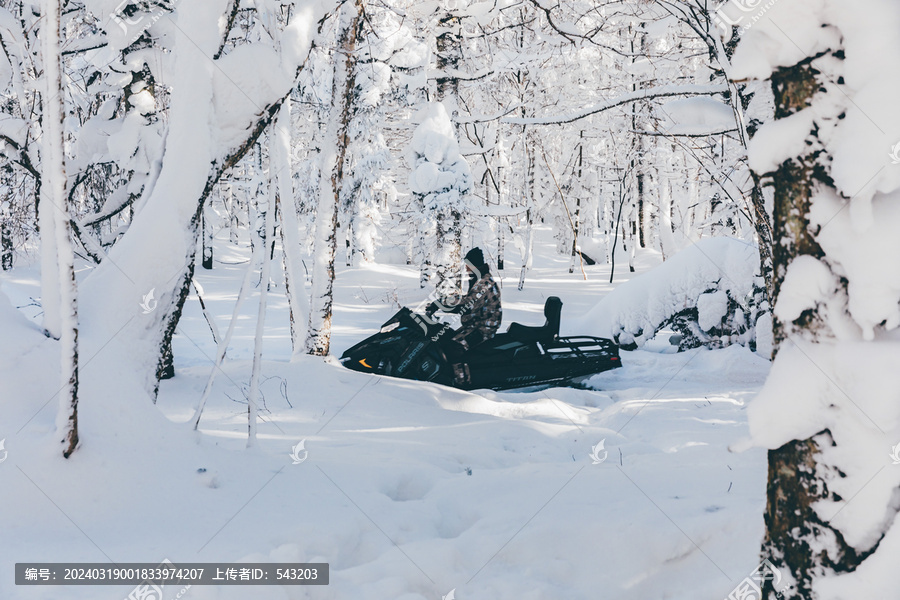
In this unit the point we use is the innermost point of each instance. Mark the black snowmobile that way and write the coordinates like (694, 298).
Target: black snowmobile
(408, 346)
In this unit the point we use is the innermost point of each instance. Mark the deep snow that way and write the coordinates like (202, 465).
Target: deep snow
(409, 490)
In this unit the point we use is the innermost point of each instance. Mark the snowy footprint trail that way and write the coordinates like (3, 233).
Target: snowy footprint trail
(410, 490)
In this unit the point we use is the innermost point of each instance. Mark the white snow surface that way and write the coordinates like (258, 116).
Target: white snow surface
(866, 255)
(859, 402)
(711, 309)
(696, 116)
(410, 489)
(869, 125)
(648, 300)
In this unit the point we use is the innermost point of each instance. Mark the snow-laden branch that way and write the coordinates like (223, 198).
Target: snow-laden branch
(449, 74)
(24, 160)
(566, 30)
(487, 118)
(645, 94)
(678, 133)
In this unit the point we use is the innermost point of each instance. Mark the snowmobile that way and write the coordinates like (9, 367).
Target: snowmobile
(408, 346)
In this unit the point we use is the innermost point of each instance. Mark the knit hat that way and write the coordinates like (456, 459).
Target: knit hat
(476, 257)
(475, 261)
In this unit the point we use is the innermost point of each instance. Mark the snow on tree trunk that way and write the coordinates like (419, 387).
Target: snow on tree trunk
(448, 234)
(56, 210)
(331, 179)
(666, 237)
(6, 248)
(158, 248)
(50, 301)
(206, 226)
(829, 412)
(294, 278)
(265, 234)
(439, 178)
(531, 194)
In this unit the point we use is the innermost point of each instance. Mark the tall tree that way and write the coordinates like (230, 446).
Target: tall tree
(829, 410)
(448, 231)
(219, 105)
(56, 211)
(331, 179)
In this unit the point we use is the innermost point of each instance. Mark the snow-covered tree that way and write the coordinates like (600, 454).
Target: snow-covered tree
(440, 178)
(829, 412)
(219, 104)
(56, 224)
(331, 178)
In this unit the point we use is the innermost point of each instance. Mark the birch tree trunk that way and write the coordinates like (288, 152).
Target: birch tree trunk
(265, 239)
(762, 223)
(448, 235)
(56, 211)
(50, 300)
(207, 258)
(666, 237)
(530, 194)
(318, 338)
(291, 245)
(6, 248)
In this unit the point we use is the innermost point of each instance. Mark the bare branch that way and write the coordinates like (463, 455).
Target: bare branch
(641, 94)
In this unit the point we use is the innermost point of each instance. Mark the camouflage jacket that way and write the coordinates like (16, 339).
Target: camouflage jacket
(479, 312)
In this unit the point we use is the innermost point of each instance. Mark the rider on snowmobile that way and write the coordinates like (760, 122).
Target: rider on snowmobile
(479, 309)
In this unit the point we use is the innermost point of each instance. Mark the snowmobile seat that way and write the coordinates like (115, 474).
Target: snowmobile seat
(549, 331)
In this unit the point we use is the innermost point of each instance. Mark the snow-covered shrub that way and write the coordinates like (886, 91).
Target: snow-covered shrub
(710, 293)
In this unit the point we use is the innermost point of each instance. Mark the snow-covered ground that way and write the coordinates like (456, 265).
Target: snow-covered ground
(408, 490)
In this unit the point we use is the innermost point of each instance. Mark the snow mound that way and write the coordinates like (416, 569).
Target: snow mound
(708, 292)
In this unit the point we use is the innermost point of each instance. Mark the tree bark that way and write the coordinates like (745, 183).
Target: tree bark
(207, 241)
(56, 210)
(331, 176)
(294, 279)
(448, 43)
(266, 235)
(6, 247)
(797, 539)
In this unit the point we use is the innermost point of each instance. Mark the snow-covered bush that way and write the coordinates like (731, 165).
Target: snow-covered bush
(710, 293)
